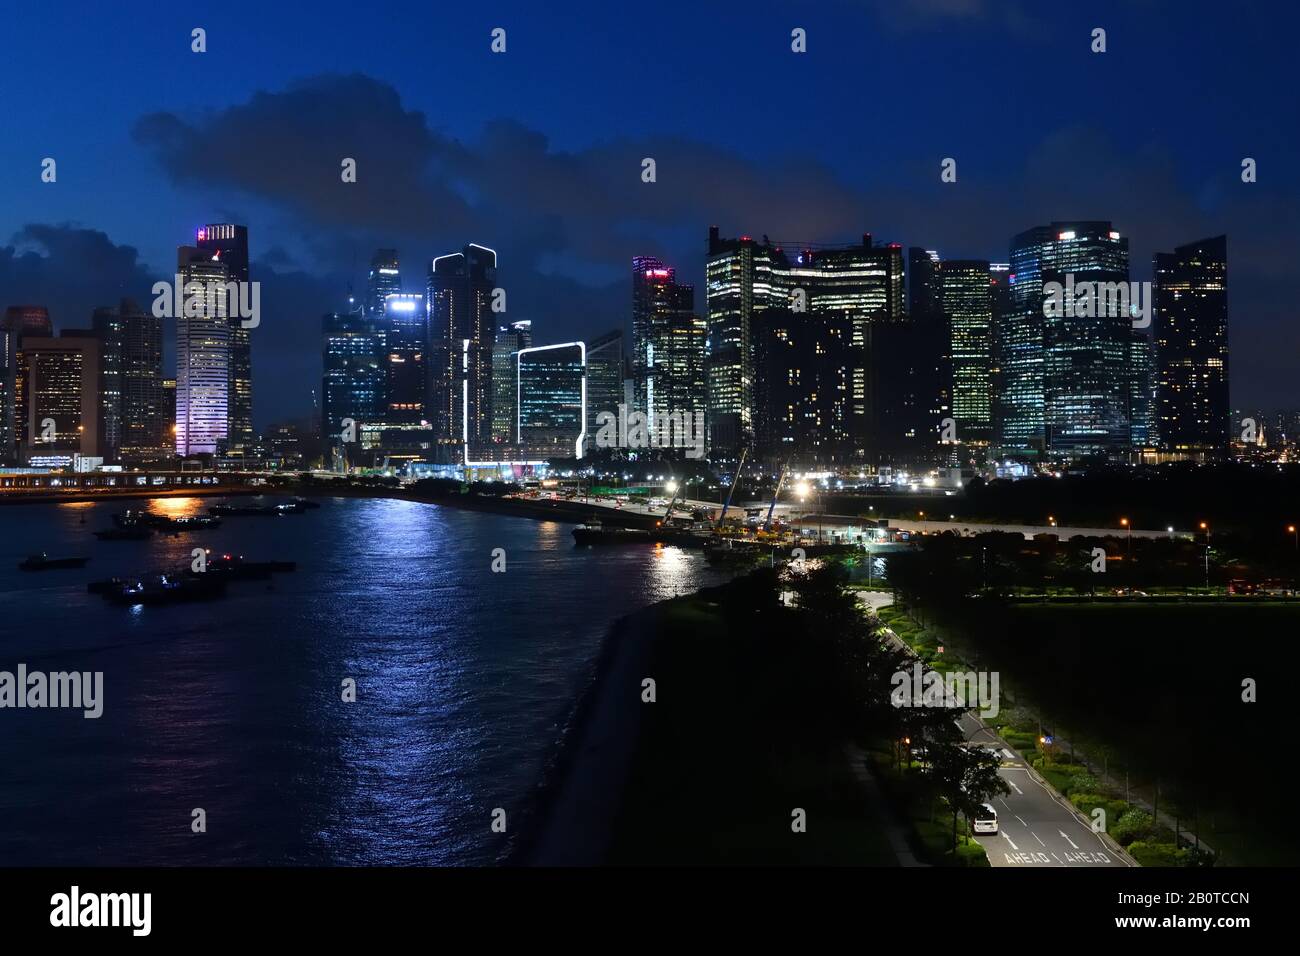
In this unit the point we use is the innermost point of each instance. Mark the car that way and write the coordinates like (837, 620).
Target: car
(986, 820)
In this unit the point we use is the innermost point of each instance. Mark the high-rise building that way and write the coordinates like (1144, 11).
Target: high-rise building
(967, 302)
(668, 343)
(383, 280)
(606, 377)
(228, 244)
(552, 400)
(804, 364)
(8, 366)
(203, 358)
(109, 327)
(62, 380)
(1191, 343)
(738, 285)
(1064, 371)
(509, 340)
(1142, 404)
(20, 321)
(406, 332)
(354, 380)
(146, 421)
(461, 333)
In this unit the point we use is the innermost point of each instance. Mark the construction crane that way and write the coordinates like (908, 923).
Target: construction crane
(772, 507)
(734, 481)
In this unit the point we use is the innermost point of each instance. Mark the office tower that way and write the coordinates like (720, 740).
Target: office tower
(1191, 342)
(108, 326)
(606, 375)
(552, 400)
(668, 343)
(910, 372)
(1065, 381)
(406, 343)
(461, 333)
(62, 379)
(228, 244)
(1142, 404)
(354, 380)
(804, 364)
(738, 285)
(146, 422)
(8, 366)
(967, 302)
(383, 280)
(509, 340)
(169, 408)
(202, 357)
(1000, 300)
(20, 321)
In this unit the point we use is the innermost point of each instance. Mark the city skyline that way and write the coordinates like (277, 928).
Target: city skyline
(560, 197)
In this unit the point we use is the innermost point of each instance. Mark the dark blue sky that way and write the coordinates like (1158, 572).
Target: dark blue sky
(537, 152)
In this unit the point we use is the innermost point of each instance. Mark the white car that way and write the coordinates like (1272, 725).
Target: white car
(986, 820)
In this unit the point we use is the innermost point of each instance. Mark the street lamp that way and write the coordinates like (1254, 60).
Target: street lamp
(1295, 534)
(1051, 521)
(1129, 528)
(925, 524)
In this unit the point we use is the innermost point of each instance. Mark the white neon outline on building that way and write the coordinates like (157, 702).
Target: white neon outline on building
(582, 350)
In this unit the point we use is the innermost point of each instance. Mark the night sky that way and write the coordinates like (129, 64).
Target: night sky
(537, 152)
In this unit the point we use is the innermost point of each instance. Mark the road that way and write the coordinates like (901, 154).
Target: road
(1037, 826)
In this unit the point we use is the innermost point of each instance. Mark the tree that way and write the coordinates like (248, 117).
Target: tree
(966, 777)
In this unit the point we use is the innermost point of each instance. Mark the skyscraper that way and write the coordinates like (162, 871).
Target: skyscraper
(552, 400)
(461, 333)
(62, 398)
(20, 321)
(606, 375)
(668, 342)
(1191, 344)
(738, 285)
(1065, 375)
(146, 422)
(202, 358)
(228, 244)
(108, 326)
(384, 279)
(406, 342)
(967, 302)
(353, 384)
(805, 364)
(509, 340)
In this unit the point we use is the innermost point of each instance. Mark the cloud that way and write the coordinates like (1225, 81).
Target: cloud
(71, 270)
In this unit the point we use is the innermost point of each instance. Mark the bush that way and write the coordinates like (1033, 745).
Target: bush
(1157, 854)
(1087, 802)
(1136, 824)
(1084, 783)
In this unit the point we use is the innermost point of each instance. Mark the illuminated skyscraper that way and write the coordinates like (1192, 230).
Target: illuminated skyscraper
(1065, 377)
(509, 340)
(20, 321)
(406, 342)
(668, 342)
(606, 378)
(1191, 343)
(552, 400)
(383, 280)
(62, 398)
(354, 382)
(967, 303)
(461, 334)
(202, 358)
(228, 244)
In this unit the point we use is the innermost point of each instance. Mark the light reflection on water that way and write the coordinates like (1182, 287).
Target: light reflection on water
(463, 678)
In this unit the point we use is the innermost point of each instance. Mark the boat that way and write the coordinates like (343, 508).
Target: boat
(236, 568)
(136, 533)
(43, 562)
(593, 532)
(165, 589)
(191, 523)
(245, 510)
(104, 587)
(305, 503)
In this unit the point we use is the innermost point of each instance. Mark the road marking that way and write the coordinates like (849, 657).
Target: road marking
(1038, 838)
(1015, 788)
(1022, 822)
(1068, 840)
(1057, 859)
(1008, 839)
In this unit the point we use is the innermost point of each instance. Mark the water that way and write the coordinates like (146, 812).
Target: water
(464, 678)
